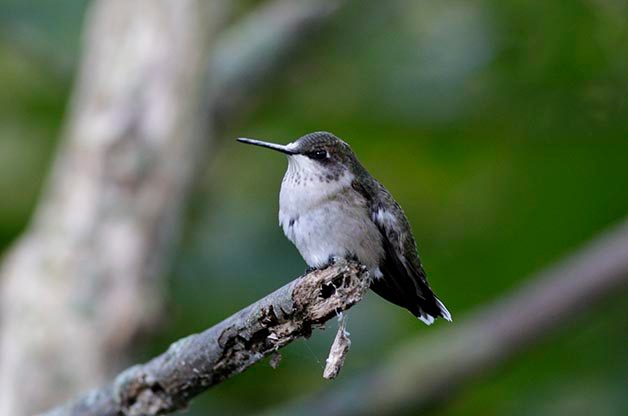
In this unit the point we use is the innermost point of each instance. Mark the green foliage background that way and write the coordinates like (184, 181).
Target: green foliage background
(500, 127)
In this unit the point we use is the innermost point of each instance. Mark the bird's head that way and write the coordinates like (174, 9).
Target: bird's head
(319, 154)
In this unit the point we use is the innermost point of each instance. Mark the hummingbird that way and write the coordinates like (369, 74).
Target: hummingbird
(330, 207)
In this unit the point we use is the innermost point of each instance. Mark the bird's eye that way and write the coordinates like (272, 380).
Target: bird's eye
(318, 154)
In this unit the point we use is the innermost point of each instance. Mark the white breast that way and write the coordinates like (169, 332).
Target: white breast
(326, 218)
(304, 186)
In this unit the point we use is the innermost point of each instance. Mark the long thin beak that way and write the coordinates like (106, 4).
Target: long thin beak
(277, 147)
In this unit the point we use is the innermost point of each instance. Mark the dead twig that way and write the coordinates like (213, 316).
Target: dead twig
(339, 350)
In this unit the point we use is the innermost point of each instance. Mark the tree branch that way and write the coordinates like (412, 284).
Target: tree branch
(194, 364)
(427, 371)
(256, 48)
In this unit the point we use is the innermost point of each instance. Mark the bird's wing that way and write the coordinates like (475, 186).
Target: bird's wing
(403, 279)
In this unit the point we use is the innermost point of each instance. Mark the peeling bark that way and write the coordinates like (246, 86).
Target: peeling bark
(193, 364)
(339, 350)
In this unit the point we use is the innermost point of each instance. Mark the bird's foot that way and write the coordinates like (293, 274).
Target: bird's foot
(333, 260)
(310, 269)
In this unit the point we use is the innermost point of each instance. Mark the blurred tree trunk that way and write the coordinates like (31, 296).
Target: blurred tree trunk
(82, 280)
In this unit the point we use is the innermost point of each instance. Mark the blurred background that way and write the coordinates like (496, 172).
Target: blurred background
(499, 126)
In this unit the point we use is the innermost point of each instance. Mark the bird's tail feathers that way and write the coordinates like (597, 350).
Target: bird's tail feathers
(429, 318)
